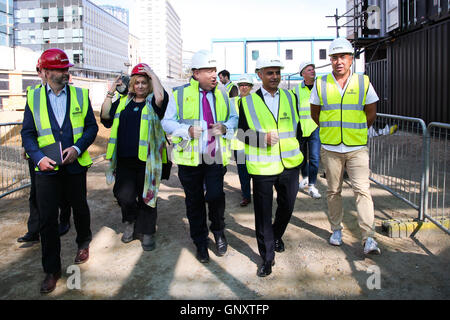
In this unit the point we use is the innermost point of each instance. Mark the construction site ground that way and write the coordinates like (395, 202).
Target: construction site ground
(409, 268)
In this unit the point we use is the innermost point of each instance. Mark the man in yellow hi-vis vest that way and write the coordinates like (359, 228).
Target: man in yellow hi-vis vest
(343, 104)
(61, 113)
(310, 144)
(269, 126)
(224, 77)
(202, 120)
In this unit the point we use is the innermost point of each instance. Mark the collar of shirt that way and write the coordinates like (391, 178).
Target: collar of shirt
(266, 93)
(342, 90)
(50, 90)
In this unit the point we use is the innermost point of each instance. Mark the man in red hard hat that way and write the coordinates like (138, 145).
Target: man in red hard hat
(58, 115)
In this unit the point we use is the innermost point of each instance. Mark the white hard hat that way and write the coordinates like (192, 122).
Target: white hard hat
(340, 45)
(304, 64)
(203, 59)
(268, 62)
(245, 78)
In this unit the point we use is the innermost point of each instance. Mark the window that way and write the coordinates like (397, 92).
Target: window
(322, 54)
(289, 54)
(255, 55)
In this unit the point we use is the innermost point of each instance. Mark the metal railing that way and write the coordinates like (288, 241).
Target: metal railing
(411, 162)
(14, 174)
(437, 194)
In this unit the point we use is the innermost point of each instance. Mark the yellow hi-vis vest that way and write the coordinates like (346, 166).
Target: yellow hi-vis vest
(286, 153)
(79, 103)
(342, 119)
(187, 99)
(229, 87)
(304, 109)
(143, 131)
(235, 143)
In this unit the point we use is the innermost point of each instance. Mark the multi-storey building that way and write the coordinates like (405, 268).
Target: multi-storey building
(157, 25)
(6, 23)
(95, 41)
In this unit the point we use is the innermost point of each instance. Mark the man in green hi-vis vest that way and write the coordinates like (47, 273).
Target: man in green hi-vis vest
(58, 112)
(269, 126)
(202, 120)
(343, 104)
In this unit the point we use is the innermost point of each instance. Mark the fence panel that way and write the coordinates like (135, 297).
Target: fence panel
(437, 193)
(14, 174)
(396, 145)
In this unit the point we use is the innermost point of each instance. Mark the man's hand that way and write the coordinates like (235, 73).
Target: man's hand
(47, 164)
(195, 132)
(272, 138)
(218, 129)
(69, 155)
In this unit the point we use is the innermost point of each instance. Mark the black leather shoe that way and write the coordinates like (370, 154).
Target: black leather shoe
(265, 269)
(202, 254)
(279, 245)
(29, 238)
(221, 243)
(49, 283)
(63, 228)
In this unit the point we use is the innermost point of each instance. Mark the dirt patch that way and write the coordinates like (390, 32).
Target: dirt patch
(410, 268)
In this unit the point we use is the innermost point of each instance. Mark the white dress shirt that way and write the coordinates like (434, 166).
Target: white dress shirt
(272, 101)
(371, 97)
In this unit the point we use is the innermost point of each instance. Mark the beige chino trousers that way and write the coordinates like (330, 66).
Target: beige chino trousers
(357, 165)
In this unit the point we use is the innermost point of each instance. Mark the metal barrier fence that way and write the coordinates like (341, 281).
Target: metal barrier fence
(411, 161)
(437, 193)
(14, 174)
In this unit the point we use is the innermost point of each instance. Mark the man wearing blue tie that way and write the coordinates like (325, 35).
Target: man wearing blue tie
(201, 120)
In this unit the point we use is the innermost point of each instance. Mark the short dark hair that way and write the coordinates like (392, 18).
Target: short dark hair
(225, 73)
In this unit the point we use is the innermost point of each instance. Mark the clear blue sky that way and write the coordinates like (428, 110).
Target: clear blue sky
(202, 20)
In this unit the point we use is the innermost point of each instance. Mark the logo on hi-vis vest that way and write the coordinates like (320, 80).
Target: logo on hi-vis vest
(351, 91)
(285, 116)
(77, 111)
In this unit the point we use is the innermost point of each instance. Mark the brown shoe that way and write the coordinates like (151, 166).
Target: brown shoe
(82, 256)
(49, 283)
(244, 202)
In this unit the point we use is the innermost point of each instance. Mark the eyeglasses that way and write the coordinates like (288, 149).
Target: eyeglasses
(244, 85)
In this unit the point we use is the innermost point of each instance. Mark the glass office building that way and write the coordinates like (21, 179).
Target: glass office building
(6, 23)
(95, 41)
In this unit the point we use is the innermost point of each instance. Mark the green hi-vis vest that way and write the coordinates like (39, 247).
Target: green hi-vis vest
(304, 109)
(143, 131)
(29, 88)
(229, 87)
(235, 143)
(286, 153)
(342, 119)
(79, 103)
(187, 98)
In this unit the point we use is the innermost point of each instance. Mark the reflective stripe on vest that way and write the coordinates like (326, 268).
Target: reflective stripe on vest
(79, 103)
(304, 109)
(235, 143)
(187, 98)
(342, 118)
(229, 87)
(286, 153)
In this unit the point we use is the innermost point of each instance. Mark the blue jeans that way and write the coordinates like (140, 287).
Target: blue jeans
(310, 148)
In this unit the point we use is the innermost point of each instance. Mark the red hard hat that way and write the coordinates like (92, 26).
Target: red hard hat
(136, 68)
(54, 59)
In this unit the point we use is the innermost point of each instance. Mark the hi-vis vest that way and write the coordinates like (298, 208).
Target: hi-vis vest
(229, 87)
(304, 109)
(143, 131)
(286, 153)
(235, 143)
(79, 103)
(187, 99)
(342, 119)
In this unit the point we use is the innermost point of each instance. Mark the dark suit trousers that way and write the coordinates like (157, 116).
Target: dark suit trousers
(286, 185)
(193, 180)
(50, 189)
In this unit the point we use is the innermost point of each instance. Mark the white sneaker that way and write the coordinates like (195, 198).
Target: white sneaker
(303, 184)
(336, 238)
(371, 246)
(313, 192)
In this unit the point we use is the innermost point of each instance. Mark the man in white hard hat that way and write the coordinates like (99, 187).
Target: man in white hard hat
(269, 127)
(310, 144)
(343, 104)
(245, 84)
(201, 119)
